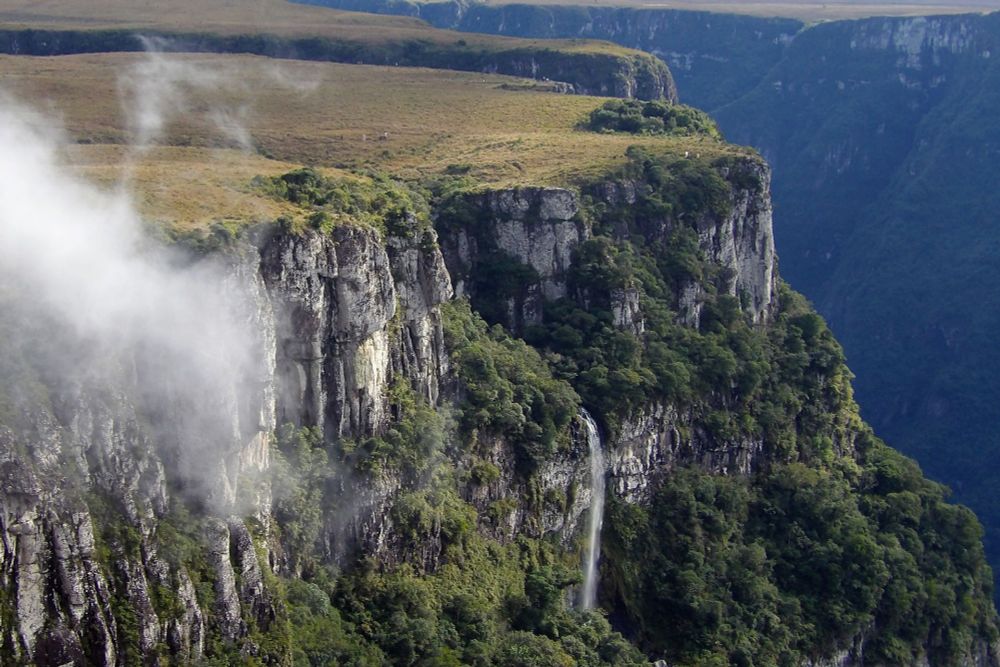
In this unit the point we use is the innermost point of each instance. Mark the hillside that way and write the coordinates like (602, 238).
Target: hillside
(312, 363)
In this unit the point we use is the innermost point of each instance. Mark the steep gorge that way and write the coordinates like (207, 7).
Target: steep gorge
(393, 443)
(881, 135)
(886, 163)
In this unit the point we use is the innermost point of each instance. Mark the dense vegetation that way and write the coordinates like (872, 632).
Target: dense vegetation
(507, 388)
(831, 535)
(477, 601)
(781, 567)
(501, 607)
(838, 534)
(896, 177)
(636, 117)
(376, 200)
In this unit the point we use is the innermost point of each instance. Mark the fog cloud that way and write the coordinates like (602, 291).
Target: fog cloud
(162, 87)
(189, 324)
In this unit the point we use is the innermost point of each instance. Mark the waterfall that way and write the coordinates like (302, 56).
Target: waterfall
(597, 469)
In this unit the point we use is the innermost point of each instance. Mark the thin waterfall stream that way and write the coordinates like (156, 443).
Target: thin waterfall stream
(588, 596)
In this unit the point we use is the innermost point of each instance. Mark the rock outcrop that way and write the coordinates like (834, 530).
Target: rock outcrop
(740, 240)
(535, 227)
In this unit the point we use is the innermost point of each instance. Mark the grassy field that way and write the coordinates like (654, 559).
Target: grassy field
(275, 17)
(413, 123)
(805, 11)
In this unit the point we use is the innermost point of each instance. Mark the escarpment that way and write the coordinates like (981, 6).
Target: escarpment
(413, 432)
(878, 130)
(598, 71)
(714, 57)
(514, 251)
(511, 250)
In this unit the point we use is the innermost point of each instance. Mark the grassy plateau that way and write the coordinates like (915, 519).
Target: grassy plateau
(413, 123)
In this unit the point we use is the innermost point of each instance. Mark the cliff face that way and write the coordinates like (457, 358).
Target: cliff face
(336, 298)
(537, 228)
(339, 319)
(116, 547)
(715, 58)
(88, 457)
(737, 237)
(541, 230)
(880, 135)
(639, 75)
(660, 437)
(356, 315)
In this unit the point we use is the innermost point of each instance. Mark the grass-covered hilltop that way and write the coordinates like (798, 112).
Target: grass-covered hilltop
(380, 331)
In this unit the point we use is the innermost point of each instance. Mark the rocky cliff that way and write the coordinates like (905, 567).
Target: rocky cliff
(540, 228)
(91, 471)
(531, 237)
(714, 57)
(536, 228)
(572, 70)
(879, 134)
(384, 430)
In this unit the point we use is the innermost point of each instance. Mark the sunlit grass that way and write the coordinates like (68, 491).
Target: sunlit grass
(414, 123)
(184, 188)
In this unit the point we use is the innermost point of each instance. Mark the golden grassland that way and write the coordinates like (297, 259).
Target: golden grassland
(412, 123)
(185, 188)
(805, 11)
(275, 17)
